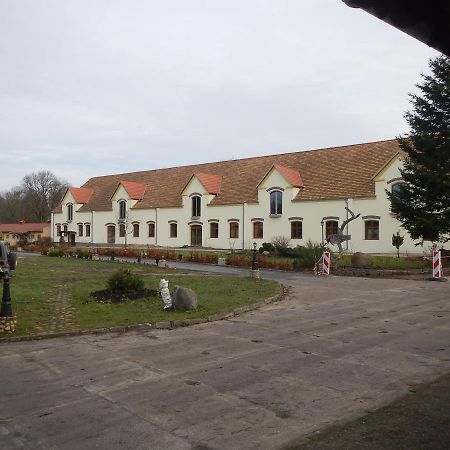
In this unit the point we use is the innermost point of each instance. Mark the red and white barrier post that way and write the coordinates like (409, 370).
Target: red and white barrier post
(326, 259)
(437, 264)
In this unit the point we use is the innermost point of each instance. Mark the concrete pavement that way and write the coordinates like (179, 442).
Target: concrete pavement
(336, 348)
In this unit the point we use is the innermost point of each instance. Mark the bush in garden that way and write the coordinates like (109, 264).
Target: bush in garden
(306, 256)
(55, 252)
(266, 247)
(124, 281)
(281, 245)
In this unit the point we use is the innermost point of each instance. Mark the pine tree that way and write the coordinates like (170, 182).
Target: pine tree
(422, 202)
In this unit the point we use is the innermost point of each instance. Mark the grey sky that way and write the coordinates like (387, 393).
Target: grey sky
(96, 87)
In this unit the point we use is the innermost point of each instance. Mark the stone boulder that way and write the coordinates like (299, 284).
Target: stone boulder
(362, 260)
(184, 299)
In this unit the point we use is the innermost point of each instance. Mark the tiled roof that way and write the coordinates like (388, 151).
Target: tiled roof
(81, 195)
(328, 173)
(291, 175)
(20, 228)
(135, 190)
(212, 183)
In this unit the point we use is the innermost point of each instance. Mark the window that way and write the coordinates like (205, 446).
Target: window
(65, 229)
(69, 212)
(214, 230)
(257, 230)
(296, 229)
(372, 230)
(276, 203)
(234, 230)
(58, 230)
(331, 227)
(80, 229)
(121, 230)
(151, 230)
(196, 206)
(396, 188)
(173, 230)
(88, 229)
(135, 230)
(122, 209)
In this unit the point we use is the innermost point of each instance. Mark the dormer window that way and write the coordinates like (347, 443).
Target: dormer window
(122, 209)
(69, 212)
(196, 206)
(276, 203)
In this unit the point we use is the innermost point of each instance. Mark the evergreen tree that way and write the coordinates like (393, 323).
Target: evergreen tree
(422, 203)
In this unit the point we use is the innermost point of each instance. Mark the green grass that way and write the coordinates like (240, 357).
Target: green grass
(391, 262)
(36, 282)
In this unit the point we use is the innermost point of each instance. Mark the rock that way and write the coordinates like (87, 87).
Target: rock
(184, 299)
(362, 260)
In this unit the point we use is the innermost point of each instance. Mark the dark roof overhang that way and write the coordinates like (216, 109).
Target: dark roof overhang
(428, 21)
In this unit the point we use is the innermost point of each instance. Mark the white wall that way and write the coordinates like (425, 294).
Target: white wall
(312, 213)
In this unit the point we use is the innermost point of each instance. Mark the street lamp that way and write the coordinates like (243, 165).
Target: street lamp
(6, 309)
(254, 260)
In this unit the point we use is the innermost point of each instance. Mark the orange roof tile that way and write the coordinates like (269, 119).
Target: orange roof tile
(211, 182)
(135, 190)
(20, 228)
(291, 175)
(81, 195)
(338, 172)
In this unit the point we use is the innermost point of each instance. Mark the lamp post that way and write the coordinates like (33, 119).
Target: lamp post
(254, 260)
(321, 224)
(6, 309)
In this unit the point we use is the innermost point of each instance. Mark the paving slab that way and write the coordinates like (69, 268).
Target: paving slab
(333, 350)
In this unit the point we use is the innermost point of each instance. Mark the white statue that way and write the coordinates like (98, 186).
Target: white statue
(165, 294)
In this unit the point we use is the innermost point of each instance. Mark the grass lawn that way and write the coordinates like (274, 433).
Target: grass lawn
(37, 281)
(391, 262)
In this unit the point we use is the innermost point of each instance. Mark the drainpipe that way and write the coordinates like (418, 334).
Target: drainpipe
(156, 226)
(243, 226)
(52, 224)
(346, 227)
(92, 227)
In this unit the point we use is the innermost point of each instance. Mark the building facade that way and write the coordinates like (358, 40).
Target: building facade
(233, 204)
(14, 233)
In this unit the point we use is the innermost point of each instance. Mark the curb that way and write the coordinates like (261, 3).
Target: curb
(164, 325)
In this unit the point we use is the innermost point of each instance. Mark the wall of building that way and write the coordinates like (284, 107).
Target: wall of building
(310, 213)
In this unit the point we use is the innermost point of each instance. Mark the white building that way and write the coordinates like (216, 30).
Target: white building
(232, 204)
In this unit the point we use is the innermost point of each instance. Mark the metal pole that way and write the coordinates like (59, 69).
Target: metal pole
(6, 309)
(346, 227)
(321, 223)
(254, 261)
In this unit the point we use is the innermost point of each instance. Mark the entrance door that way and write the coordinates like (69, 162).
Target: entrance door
(111, 234)
(72, 239)
(196, 235)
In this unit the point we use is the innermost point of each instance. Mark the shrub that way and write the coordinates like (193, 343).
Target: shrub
(84, 254)
(266, 247)
(124, 280)
(45, 241)
(306, 256)
(281, 245)
(55, 252)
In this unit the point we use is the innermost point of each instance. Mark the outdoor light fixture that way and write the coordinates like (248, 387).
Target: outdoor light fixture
(254, 261)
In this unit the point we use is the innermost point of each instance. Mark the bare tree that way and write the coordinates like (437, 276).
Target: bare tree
(42, 191)
(12, 207)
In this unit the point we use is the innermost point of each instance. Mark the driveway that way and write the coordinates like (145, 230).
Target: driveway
(334, 349)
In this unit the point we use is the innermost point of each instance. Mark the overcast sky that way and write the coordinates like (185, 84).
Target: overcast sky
(93, 87)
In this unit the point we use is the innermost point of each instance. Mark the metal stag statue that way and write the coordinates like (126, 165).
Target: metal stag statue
(340, 237)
